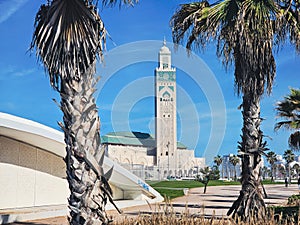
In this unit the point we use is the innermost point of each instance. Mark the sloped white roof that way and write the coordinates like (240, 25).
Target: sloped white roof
(52, 140)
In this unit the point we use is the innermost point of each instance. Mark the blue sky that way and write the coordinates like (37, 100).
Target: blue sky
(125, 97)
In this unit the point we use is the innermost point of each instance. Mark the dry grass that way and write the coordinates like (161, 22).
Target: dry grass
(162, 219)
(168, 216)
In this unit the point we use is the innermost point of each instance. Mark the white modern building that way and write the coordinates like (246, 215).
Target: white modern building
(33, 173)
(228, 170)
(162, 156)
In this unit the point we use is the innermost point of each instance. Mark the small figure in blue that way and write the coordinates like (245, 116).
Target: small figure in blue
(286, 181)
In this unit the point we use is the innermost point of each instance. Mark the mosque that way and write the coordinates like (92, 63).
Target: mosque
(159, 156)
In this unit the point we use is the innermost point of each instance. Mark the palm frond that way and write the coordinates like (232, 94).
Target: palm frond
(68, 36)
(289, 109)
(223, 16)
(255, 69)
(188, 21)
(294, 141)
(287, 23)
(287, 124)
(121, 2)
(271, 157)
(289, 155)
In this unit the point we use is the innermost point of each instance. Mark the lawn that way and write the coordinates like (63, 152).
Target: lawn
(174, 189)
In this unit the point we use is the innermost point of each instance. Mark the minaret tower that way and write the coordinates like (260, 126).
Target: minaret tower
(165, 114)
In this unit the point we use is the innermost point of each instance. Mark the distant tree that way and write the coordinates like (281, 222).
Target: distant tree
(289, 110)
(296, 169)
(218, 161)
(271, 158)
(207, 174)
(289, 157)
(265, 172)
(215, 173)
(234, 160)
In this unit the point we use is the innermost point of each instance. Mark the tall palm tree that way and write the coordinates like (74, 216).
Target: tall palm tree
(218, 161)
(244, 33)
(68, 37)
(289, 157)
(289, 110)
(271, 158)
(234, 160)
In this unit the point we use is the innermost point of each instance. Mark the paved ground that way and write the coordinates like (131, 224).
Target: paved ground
(216, 201)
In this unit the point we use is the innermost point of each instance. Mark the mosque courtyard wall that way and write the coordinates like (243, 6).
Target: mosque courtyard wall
(141, 161)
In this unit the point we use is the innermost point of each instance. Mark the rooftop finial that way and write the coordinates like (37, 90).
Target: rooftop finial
(165, 42)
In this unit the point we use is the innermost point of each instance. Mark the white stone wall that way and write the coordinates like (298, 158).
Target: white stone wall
(30, 176)
(130, 155)
(188, 161)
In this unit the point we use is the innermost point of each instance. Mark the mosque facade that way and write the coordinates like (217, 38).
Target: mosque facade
(159, 156)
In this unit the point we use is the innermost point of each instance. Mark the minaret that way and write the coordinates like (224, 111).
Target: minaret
(165, 114)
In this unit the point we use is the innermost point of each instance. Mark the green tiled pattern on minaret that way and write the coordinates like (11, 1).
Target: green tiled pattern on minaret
(166, 75)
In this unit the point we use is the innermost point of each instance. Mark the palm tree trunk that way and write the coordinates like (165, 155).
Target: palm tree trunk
(250, 201)
(205, 185)
(272, 173)
(222, 170)
(84, 158)
(289, 174)
(235, 178)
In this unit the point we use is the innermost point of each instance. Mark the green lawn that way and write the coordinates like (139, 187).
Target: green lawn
(174, 188)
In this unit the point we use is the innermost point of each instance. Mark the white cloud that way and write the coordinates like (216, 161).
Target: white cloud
(9, 7)
(23, 72)
(8, 72)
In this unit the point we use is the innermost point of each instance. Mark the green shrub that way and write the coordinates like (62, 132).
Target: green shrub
(290, 214)
(294, 200)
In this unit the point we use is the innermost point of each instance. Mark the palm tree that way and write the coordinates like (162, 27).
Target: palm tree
(234, 160)
(289, 157)
(296, 169)
(218, 161)
(289, 109)
(206, 175)
(68, 37)
(244, 32)
(271, 157)
(265, 172)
